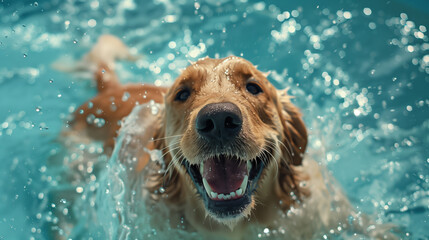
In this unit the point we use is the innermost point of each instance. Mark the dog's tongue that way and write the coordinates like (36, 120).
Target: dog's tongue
(224, 174)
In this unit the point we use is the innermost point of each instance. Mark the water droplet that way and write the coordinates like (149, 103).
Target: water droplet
(74, 41)
(92, 23)
(125, 97)
(90, 118)
(154, 110)
(99, 122)
(36, 4)
(24, 55)
(79, 189)
(38, 109)
(41, 195)
(51, 80)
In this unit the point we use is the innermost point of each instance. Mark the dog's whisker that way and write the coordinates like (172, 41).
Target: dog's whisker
(171, 165)
(173, 159)
(288, 151)
(284, 161)
(167, 137)
(170, 145)
(168, 151)
(270, 147)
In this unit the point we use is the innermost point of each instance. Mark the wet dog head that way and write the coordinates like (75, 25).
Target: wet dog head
(228, 129)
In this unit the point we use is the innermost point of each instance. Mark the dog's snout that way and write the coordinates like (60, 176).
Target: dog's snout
(219, 122)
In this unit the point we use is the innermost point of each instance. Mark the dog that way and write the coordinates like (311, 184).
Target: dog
(235, 149)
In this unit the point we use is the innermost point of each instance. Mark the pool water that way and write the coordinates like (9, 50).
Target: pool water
(359, 70)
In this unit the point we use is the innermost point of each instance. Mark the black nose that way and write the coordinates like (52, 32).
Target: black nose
(219, 122)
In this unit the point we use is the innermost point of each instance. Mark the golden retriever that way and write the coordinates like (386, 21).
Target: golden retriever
(235, 147)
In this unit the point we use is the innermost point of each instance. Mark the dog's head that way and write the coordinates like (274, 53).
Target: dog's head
(230, 130)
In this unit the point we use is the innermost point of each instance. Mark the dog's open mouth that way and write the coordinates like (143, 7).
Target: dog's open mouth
(226, 183)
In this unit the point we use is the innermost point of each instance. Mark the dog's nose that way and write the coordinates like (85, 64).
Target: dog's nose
(219, 122)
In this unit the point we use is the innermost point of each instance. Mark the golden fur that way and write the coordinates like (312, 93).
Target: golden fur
(271, 123)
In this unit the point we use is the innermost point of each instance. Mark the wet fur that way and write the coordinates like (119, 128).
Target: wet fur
(270, 122)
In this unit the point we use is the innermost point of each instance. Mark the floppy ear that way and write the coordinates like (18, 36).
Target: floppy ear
(294, 139)
(294, 132)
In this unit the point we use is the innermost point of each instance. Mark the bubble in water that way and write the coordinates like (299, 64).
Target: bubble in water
(79, 189)
(90, 118)
(24, 55)
(92, 23)
(347, 15)
(74, 41)
(367, 11)
(99, 122)
(51, 80)
(172, 44)
(295, 13)
(125, 97)
(113, 107)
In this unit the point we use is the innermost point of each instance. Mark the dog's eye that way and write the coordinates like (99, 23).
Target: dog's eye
(182, 95)
(253, 88)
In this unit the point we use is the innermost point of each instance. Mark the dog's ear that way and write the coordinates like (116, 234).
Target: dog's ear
(294, 135)
(294, 143)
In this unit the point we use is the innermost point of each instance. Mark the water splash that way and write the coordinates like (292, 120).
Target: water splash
(358, 72)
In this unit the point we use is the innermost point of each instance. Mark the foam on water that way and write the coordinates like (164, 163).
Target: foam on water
(359, 72)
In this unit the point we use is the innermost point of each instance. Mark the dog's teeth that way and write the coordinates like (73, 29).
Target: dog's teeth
(249, 166)
(226, 196)
(202, 168)
(207, 186)
(244, 183)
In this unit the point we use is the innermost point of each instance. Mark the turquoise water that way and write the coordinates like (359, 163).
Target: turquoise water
(359, 71)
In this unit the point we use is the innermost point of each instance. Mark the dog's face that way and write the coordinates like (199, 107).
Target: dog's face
(226, 128)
